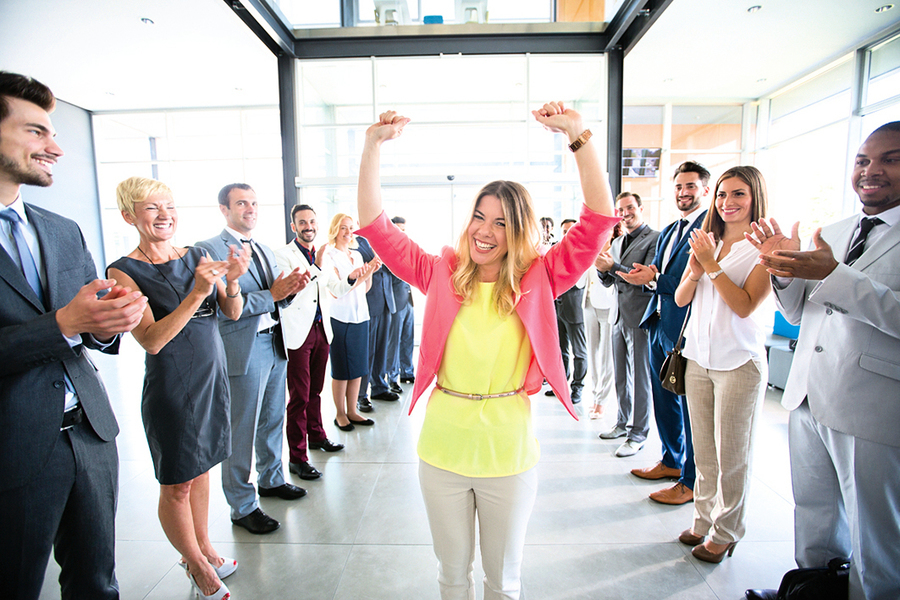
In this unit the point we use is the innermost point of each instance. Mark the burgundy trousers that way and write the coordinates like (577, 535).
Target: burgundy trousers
(305, 379)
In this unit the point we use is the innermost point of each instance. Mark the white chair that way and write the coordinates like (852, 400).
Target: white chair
(391, 12)
(471, 11)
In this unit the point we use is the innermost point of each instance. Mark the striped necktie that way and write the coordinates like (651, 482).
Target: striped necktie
(859, 242)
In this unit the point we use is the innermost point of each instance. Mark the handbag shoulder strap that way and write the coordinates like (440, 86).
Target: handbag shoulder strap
(687, 316)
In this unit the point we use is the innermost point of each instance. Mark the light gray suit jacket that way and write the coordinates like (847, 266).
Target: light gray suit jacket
(633, 299)
(34, 355)
(847, 359)
(238, 335)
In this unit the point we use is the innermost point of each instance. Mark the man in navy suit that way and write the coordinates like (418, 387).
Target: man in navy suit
(401, 343)
(570, 322)
(59, 466)
(663, 320)
(380, 299)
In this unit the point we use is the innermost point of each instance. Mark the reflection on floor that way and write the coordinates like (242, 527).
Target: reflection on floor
(362, 533)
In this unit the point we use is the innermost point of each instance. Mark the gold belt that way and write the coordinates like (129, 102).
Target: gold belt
(478, 396)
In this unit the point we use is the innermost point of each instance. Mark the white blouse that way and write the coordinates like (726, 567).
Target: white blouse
(353, 307)
(715, 337)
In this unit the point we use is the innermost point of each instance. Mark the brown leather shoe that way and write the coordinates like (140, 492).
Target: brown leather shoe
(688, 538)
(677, 494)
(657, 471)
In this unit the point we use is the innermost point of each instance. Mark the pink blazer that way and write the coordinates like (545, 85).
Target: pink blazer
(557, 270)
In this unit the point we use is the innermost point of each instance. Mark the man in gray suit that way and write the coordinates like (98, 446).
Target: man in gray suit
(257, 366)
(59, 466)
(631, 344)
(844, 385)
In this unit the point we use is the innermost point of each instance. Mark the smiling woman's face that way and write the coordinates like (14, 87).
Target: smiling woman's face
(487, 237)
(156, 218)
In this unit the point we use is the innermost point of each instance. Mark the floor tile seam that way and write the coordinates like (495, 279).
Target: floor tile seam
(759, 481)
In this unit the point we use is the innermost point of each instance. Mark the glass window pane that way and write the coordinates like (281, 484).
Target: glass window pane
(706, 128)
(825, 111)
(338, 91)
(829, 83)
(884, 71)
(305, 14)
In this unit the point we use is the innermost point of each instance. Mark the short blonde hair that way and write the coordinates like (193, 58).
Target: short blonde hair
(137, 189)
(335, 228)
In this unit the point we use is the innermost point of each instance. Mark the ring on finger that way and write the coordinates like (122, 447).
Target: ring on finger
(214, 272)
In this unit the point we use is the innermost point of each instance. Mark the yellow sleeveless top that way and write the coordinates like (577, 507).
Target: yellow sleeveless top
(484, 354)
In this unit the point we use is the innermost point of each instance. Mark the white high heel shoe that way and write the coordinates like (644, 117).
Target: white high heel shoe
(220, 594)
(228, 567)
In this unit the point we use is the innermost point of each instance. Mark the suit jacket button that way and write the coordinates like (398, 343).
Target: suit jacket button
(820, 349)
(58, 384)
(828, 311)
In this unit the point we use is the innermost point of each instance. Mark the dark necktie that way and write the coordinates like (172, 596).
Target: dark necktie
(26, 259)
(681, 226)
(263, 273)
(859, 242)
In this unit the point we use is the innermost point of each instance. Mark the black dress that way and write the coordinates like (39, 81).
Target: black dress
(185, 404)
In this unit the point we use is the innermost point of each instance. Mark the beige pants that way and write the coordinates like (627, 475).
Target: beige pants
(503, 506)
(723, 406)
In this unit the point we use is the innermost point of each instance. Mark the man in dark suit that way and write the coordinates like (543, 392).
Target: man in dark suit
(663, 320)
(631, 351)
(844, 384)
(257, 365)
(59, 467)
(570, 322)
(401, 369)
(380, 299)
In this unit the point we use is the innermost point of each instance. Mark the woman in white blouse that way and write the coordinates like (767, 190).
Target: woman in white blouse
(349, 322)
(726, 369)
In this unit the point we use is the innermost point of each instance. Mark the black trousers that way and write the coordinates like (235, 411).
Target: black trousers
(69, 508)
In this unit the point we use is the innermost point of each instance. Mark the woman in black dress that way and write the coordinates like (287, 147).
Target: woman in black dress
(185, 404)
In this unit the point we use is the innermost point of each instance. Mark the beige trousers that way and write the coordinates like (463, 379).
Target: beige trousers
(723, 406)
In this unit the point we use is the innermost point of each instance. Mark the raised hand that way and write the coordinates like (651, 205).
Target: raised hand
(556, 117)
(119, 311)
(389, 126)
(814, 265)
(767, 236)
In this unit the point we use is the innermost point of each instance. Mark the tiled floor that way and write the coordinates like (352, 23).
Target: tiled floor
(361, 533)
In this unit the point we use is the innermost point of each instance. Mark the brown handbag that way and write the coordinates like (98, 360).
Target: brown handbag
(671, 374)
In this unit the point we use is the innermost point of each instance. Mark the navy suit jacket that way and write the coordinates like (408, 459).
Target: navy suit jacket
(35, 357)
(670, 315)
(380, 296)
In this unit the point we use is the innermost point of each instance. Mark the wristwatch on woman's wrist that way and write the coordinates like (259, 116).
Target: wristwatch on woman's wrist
(716, 274)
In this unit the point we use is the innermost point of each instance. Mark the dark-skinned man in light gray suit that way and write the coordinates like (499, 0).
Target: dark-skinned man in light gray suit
(59, 466)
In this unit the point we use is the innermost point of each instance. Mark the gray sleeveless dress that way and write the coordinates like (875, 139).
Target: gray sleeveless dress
(185, 404)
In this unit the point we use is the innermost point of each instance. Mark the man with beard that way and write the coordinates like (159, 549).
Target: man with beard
(631, 351)
(844, 384)
(59, 468)
(307, 335)
(663, 320)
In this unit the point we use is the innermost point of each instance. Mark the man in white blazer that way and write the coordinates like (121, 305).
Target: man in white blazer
(844, 384)
(306, 325)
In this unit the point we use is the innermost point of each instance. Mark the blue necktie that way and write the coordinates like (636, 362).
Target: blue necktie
(26, 259)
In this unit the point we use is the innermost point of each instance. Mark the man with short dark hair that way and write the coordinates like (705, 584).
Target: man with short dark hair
(257, 363)
(59, 466)
(631, 351)
(547, 230)
(307, 335)
(663, 320)
(843, 390)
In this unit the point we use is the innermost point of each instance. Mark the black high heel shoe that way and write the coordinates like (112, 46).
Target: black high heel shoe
(347, 427)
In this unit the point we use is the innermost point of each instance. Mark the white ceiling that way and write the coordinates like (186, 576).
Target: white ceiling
(97, 54)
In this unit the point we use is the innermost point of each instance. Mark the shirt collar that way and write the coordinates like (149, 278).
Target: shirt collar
(693, 214)
(18, 205)
(238, 235)
(891, 216)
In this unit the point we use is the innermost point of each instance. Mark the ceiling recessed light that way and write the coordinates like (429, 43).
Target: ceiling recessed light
(754, 8)
(668, 80)
(146, 21)
(761, 80)
(884, 8)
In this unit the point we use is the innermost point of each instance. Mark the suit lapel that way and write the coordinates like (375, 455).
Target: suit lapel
(872, 253)
(228, 239)
(13, 275)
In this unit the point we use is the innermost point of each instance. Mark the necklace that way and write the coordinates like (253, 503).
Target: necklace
(205, 309)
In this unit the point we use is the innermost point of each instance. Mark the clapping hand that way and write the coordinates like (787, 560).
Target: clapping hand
(206, 274)
(767, 237)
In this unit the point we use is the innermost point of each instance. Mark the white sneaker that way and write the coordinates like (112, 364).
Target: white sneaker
(615, 432)
(629, 448)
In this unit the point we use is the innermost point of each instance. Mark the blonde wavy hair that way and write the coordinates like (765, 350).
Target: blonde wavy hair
(335, 228)
(522, 237)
